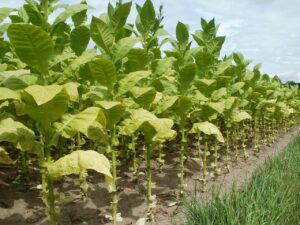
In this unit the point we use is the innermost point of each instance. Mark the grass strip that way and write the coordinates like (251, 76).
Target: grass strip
(271, 198)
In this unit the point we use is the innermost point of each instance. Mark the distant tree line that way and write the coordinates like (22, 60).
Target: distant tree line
(293, 83)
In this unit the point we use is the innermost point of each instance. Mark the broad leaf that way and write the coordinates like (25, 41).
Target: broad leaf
(239, 116)
(103, 71)
(45, 103)
(208, 129)
(147, 14)
(70, 11)
(101, 34)
(124, 45)
(4, 157)
(78, 162)
(6, 94)
(182, 33)
(218, 94)
(32, 45)
(154, 129)
(143, 96)
(80, 38)
(17, 133)
(237, 87)
(113, 111)
(130, 80)
(4, 12)
(187, 75)
(70, 124)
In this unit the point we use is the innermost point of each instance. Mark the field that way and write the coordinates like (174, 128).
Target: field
(100, 125)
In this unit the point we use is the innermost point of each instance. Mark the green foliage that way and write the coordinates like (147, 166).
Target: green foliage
(78, 162)
(32, 45)
(126, 94)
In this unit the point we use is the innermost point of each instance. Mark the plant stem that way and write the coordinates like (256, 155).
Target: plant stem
(114, 193)
(236, 143)
(227, 158)
(256, 136)
(199, 145)
(182, 159)
(204, 160)
(24, 169)
(134, 156)
(243, 137)
(149, 181)
(51, 200)
(216, 167)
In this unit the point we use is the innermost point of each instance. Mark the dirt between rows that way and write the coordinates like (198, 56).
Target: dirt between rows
(25, 207)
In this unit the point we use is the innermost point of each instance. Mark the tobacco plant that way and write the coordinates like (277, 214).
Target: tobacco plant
(85, 92)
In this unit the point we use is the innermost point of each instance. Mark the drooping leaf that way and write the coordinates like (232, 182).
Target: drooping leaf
(17, 133)
(208, 129)
(143, 96)
(236, 87)
(154, 129)
(72, 90)
(130, 80)
(69, 12)
(71, 124)
(6, 93)
(113, 111)
(32, 45)
(45, 103)
(79, 162)
(80, 61)
(4, 157)
(239, 116)
(218, 94)
(217, 106)
(124, 45)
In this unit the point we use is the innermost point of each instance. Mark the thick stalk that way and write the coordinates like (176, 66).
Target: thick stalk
(134, 156)
(150, 199)
(236, 143)
(51, 200)
(161, 156)
(46, 12)
(264, 130)
(114, 202)
(204, 171)
(182, 159)
(256, 136)
(216, 156)
(227, 150)
(243, 137)
(24, 169)
(199, 145)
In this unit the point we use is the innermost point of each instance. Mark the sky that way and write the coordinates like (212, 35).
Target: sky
(265, 31)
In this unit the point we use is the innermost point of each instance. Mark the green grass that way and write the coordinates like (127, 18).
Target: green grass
(271, 198)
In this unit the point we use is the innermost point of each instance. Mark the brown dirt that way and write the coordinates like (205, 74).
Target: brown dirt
(19, 206)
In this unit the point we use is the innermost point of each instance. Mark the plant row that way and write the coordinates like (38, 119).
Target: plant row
(83, 93)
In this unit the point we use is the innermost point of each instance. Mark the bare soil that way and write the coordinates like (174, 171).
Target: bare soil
(19, 206)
